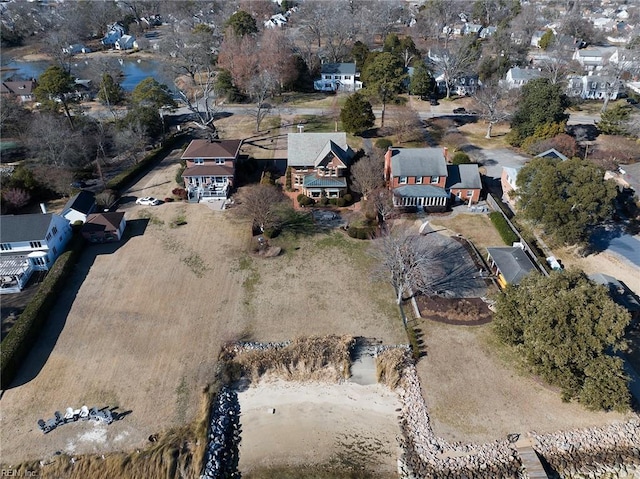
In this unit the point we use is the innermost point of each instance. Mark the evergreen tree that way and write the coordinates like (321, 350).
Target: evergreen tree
(357, 114)
(149, 92)
(566, 328)
(422, 82)
(383, 77)
(613, 121)
(53, 88)
(541, 102)
(567, 198)
(242, 23)
(110, 93)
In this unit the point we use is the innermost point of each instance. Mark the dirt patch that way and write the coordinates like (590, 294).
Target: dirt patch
(466, 311)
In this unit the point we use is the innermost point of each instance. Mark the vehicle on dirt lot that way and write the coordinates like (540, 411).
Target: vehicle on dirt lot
(148, 201)
(459, 111)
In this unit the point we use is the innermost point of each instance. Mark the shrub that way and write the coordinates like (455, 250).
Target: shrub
(324, 201)
(304, 200)
(168, 200)
(360, 232)
(348, 198)
(341, 202)
(383, 143)
(333, 201)
(506, 233)
(183, 166)
(16, 345)
(287, 179)
(120, 181)
(461, 158)
(180, 193)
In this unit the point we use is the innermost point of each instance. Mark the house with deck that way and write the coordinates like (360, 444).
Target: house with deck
(29, 243)
(319, 163)
(210, 168)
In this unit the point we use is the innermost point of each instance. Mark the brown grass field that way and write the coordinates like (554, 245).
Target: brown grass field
(141, 324)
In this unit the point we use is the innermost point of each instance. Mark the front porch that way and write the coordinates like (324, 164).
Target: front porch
(202, 188)
(15, 272)
(319, 186)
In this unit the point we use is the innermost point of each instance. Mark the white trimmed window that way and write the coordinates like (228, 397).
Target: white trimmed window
(469, 193)
(198, 161)
(435, 180)
(220, 161)
(418, 180)
(403, 180)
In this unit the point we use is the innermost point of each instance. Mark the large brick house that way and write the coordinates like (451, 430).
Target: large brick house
(210, 170)
(421, 178)
(319, 163)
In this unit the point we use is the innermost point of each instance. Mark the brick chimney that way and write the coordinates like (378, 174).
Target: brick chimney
(445, 152)
(387, 164)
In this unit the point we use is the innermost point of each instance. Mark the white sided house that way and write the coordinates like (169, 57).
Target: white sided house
(29, 243)
(338, 77)
(210, 168)
(79, 207)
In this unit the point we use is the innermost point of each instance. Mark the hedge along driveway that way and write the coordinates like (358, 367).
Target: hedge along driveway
(17, 344)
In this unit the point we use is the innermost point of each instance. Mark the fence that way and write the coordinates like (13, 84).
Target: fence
(498, 206)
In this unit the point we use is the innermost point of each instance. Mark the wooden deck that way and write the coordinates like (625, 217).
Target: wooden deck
(531, 462)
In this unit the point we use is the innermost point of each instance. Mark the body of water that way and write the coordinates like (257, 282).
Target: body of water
(133, 71)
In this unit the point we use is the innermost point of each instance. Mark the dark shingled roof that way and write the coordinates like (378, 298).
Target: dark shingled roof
(464, 176)
(83, 203)
(513, 263)
(103, 222)
(418, 162)
(16, 228)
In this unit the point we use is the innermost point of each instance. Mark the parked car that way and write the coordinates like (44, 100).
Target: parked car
(148, 201)
(459, 111)
(433, 101)
(632, 101)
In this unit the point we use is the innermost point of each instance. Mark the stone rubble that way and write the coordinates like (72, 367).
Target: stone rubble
(612, 451)
(222, 455)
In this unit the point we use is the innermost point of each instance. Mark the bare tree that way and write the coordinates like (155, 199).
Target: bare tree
(402, 260)
(454, 61)
(493, 105)
(382, 201)
(260, 203)
(131, 140)
(406, 125)
(437, 15)
(627, 66)
(52, 141)
(367, 174)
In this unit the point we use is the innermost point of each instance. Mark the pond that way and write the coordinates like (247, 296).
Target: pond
(133, 70)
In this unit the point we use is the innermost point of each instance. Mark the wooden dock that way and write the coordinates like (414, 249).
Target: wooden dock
(531, 462)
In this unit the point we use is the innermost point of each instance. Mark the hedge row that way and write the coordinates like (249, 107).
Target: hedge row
(16, 345)
(506, 233)
(121, 181)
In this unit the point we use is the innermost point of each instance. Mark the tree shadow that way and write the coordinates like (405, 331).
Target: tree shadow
(43, 346)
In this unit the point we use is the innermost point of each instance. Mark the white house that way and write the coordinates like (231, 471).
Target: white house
(114, 33)
(75, 49)
(277, 20)
(79, 207)
(338, 77)
(517, 77)
(126, 42)
(593, 58)
(29, 243)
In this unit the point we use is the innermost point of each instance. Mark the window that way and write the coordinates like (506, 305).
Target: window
(418, 180)
(435, 180)
(55, 251)
(403, 180)
(469, 193)
(48, 237)
(54, 230)
(338, 77)
(220, 161)
(198, 161)
(35, 244)
(5, 247)
(347, 77)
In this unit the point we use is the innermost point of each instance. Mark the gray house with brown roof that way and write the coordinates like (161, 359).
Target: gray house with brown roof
(210, 170)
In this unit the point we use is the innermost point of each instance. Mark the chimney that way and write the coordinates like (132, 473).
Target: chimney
(300, 128)
(445, 152)
(387, 163)
(43, 208)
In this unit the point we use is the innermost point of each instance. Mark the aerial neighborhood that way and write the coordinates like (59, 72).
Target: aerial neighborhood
(318, 238)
